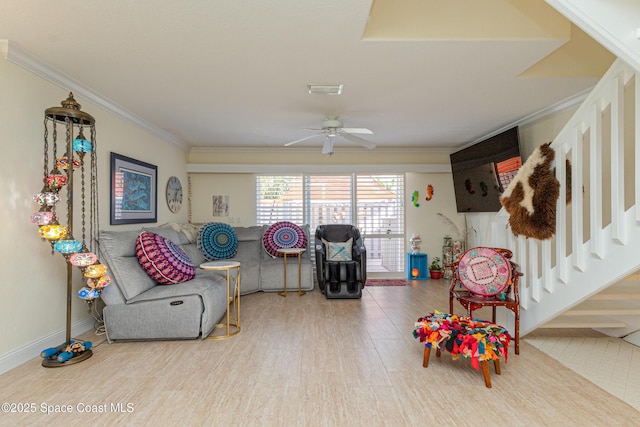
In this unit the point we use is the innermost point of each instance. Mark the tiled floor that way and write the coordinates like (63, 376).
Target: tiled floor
(611, 363)
(309, 361)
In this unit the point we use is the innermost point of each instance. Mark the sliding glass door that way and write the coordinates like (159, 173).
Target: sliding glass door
(374, 203)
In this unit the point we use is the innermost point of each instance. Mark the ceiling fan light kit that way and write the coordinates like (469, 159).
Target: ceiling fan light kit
(327, 147)
(333, 89)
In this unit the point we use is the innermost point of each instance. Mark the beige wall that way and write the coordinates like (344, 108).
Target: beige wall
(424, 220)
(539, 132)
(241, 189)
(32, 281)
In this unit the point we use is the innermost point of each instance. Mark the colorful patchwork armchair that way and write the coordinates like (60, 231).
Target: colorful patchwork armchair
(486, 277)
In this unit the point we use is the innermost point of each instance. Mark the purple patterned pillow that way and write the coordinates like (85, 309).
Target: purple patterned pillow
(164, 261)
(283, 235)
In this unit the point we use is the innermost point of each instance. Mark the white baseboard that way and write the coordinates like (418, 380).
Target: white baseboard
(33, 349)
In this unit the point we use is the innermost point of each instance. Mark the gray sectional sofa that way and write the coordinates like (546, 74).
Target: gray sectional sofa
(137, 308)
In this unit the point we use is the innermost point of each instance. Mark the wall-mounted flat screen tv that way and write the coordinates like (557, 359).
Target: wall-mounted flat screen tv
(483, 171)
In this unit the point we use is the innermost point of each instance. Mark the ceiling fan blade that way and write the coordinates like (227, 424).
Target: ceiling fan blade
(358, 130)
(327, 148)
(301, 139)
(358, 140)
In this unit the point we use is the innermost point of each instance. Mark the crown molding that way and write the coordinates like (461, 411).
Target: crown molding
(558, 107)
(21, 57)
(317, 168)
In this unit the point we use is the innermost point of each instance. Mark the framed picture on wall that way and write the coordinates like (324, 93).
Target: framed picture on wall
(220, 205)
(134, 191)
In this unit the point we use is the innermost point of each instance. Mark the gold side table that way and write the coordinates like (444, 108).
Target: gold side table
(232, 298)
(286, 252)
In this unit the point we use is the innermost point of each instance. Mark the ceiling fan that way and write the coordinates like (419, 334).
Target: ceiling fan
(332, 127)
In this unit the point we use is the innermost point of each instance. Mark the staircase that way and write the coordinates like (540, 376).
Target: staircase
(587, 274)
(614, 311)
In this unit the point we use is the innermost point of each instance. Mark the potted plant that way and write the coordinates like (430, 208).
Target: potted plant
(435, 270)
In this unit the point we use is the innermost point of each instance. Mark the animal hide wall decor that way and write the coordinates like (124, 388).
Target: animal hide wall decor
(532, 195)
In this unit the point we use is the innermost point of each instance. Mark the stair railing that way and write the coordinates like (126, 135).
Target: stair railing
(597, 239)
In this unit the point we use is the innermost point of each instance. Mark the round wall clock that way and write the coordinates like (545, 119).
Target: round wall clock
(174, 194)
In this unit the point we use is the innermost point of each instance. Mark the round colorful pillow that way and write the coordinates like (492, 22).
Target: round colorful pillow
(217, 240)
(283, 235)
(484, 271)
(164, 261)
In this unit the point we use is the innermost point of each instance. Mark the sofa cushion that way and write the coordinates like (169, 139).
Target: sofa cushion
(163, 260)
(217, 240)
(188, 231)
(283, 235)
(118, 249)
(194, 254)
(249, 234)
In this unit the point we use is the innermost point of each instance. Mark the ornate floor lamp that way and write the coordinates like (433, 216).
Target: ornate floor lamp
(71, 122)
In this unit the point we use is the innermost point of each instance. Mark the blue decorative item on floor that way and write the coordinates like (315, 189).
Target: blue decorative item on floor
(65, 352)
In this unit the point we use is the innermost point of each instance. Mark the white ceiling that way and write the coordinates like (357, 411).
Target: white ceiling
(235, 73)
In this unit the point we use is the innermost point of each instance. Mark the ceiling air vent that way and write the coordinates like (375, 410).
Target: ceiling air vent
(326, 89)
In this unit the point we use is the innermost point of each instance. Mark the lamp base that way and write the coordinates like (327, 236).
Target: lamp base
(77, 358)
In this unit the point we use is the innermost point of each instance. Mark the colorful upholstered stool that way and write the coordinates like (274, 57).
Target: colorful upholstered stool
(478, 340)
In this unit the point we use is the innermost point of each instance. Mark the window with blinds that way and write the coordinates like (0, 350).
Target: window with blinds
(330, 199)
(279, 198)
(374, 203)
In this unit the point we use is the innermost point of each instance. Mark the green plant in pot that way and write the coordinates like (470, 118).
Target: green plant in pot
(435, 269)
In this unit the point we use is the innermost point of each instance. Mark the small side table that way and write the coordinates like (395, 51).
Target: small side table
(232, 298)
(286, 252)
(416, 267)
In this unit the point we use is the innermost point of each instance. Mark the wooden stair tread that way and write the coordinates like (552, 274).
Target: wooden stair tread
(602, 312)
(576, 322)
(605, 308)
(616, 296)
(624, 291)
